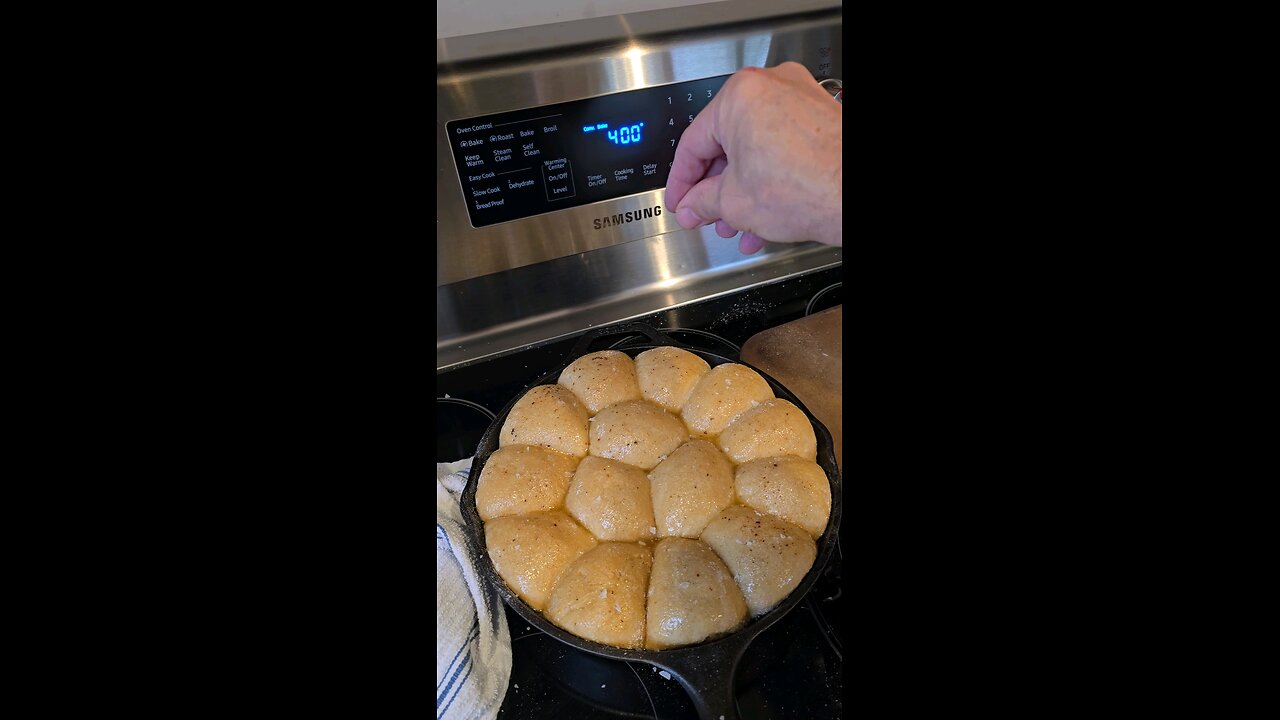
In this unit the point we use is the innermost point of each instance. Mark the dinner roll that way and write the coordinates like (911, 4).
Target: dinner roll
(601, 379)
(692, 595)
(637, 433)
(530, 551)
(767, 555)
(775, 427)
(601, 596)
(611, 500)
(721, 395)
(550, 416)
(667, 376)
(794, 489)
(690, 488)
(523, 478)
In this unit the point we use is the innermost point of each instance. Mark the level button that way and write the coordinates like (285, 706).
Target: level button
(558, 175)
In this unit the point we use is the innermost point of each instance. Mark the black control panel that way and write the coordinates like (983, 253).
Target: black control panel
(527, 162)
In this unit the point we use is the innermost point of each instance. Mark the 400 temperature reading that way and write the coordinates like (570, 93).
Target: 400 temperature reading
(622, 135)
(625, 135)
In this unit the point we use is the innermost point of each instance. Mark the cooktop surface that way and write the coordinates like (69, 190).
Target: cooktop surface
(792, 669)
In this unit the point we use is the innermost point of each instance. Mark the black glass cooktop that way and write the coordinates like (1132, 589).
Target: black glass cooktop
(791, 670)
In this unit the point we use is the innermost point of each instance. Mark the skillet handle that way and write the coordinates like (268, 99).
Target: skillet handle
(707, 676)
(655, 336)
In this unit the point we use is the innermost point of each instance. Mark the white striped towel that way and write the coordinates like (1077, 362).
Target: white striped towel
(473, 647)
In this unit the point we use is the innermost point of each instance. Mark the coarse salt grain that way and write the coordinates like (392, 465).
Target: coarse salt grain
(665, 675)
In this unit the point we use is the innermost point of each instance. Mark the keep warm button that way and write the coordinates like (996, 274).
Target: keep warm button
(558, 177)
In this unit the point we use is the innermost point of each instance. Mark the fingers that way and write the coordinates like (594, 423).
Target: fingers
(698, 147)
(723, 229)
(750, 243)
(701, 204)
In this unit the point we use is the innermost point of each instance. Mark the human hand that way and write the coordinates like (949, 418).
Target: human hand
(763, 158)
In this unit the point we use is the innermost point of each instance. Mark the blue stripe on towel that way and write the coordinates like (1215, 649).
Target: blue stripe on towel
(466, 662)
(475, 630)
(458, 691)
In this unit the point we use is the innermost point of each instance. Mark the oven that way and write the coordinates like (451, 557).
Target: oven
(553, 143)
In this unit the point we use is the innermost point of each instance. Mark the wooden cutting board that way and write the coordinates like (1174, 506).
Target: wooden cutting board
(805, 355)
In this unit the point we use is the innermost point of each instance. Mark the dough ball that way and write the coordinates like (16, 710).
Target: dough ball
(692, 595)
(775, 427)
(602, 379)
(668, 375)
(550, 416)
(792, 488)
(636, 433)
(530, 551)
(611, 500)
(601, 596)
(523, 478)
(721, 395)
(690, 488)
(768, 556)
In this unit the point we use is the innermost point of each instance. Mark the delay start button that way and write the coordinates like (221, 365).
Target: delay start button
(558, 179)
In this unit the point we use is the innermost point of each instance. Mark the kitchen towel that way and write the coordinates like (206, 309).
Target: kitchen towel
(473, 647)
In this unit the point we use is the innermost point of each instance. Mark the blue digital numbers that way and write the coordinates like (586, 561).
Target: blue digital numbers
(622, 135)
(625, 135)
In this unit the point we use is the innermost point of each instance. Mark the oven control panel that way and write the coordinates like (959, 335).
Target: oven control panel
(517, 164)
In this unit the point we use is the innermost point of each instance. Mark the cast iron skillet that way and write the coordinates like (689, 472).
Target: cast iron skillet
(706, 671)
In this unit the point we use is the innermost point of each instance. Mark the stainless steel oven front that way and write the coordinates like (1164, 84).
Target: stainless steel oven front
(552, 149)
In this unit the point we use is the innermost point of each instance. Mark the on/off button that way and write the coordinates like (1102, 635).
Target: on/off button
(558, 179)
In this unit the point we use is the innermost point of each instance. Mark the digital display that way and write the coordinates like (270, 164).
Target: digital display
(527, 162)
(624, 134)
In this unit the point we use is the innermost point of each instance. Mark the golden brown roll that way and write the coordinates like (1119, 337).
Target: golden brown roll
(774, 427)
(721, 395)
(601, 596)
(550, 416)
(611, 500)
(767, 555)
(794, 489)
(637, 433)
(530, 551)
(692, 595)
(668, 375)
(523, 478)
(601, 379)
(690, 488)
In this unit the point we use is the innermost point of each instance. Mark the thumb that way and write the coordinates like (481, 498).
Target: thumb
(701, 205)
